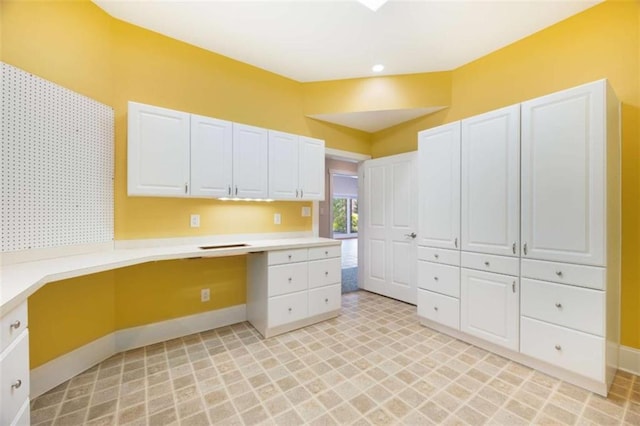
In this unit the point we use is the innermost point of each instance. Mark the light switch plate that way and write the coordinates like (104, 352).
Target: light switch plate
(277, 219)
(306, 211)
(195, 221)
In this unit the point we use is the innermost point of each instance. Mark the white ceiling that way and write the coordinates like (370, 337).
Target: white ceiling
(335, 39)
(374, 121)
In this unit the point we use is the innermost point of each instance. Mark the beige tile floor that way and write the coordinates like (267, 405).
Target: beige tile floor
(372, 365)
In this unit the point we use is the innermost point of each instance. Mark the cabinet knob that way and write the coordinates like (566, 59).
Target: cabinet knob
(289, 257)
(326, 300)
(435, 278)
(558, 348)
(524, 249)
(436, 256)
(289, 279)
(326, 273)
(455, 242)
(16, 384)
(559, 273)
(290, 310)
(513, 248)
(559, 305)
(486, 263)
(326, 252)
(16, 324)
(435, 308)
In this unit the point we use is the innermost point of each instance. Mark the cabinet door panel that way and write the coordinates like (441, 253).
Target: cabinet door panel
(250, 161)
(283, 166)
(312, 171)
(563, 158)
(491, 182)
(211, 157)
(158, 150)
(489, 307)
(439, 186)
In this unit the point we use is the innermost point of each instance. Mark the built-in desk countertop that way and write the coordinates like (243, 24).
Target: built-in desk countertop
(19, 281)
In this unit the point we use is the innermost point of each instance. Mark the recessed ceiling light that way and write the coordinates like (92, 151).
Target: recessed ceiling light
(377, 68)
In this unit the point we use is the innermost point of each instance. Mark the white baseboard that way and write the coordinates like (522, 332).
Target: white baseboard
(630, 360)
(63, 368)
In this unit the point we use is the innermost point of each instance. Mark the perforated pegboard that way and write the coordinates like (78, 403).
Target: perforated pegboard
(57, 165)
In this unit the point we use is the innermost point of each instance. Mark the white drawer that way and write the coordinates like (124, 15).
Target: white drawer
(491, 263)
(580, 275)
(569, 306)
(443, 279)
(572, 350)
(12, 324)
(436, 307)
(438, 255)
(24, 416)
(324, 299)
(279, 257)
(285, 279)
(326, 252)
(14, 378)
(324, 272)
(287, 308)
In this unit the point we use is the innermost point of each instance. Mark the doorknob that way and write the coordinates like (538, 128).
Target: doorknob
(412, 235)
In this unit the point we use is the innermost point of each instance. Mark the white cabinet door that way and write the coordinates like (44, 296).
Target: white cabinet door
(284, 155)
(390, 255)
(491, 182)
(250, 161)
(563, 180)
(211, 157)
(311, 174)
(439, 186)
(158, 151)
(489, 307)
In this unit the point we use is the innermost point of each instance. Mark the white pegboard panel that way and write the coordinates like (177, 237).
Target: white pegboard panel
(57, 165)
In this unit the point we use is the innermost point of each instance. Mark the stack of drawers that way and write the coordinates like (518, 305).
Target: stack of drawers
(289, 289)
(439, 285)
(563, 316)
(14, 367)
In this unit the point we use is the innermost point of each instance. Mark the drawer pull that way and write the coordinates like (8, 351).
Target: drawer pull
(289, 257)
(455, 242)
(436, 256)
(486, 263)
(559, 305)
(435, 278)
(326, 300)
(559, 273)
(513, 248)
(16, 384)
(558, 348)
(290, 310)
(513, 286)
(435, 308)
(16, 324)
(326, 273)
(326, 252)
(289, 279)
(525, 249)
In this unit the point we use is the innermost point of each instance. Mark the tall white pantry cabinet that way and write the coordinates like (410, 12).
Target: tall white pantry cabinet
(536, 274)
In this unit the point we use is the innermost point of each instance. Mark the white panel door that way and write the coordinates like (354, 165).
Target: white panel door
(489, 307)
(158, 151)
(211, 157)
(284, 153)
(490, 183)
(563, 176)
(311, 175)
(250, 161)
(439, 186)
(390, 222)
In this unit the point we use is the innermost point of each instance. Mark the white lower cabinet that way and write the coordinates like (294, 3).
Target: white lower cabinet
(439, 308)
(489, 307)
(14, 379)
(441, 279)
(289, 289)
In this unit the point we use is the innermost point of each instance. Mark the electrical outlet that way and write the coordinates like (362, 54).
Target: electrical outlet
(205, 295)
(195, 221)
(306, 211)
(277, 219)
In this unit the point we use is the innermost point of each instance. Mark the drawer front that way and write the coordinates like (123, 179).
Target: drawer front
(443, 279)
(491, 263)
(13, 323)
(285, 279)
(436, 307)
(572, 350)
(280, 257)
(14, 378)
(324, 299)
(580, 275)
(324, 272)
(569, 306)
(287, 308)
(437, 255)
(24, 416)
(316, 253)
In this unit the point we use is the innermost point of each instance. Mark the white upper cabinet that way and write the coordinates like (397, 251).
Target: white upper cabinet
(563, 176)
(158, 151)
(491, 182)
(311, 175)
(439, 186)
(211, 157)
(250, 161)
(296, 167)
